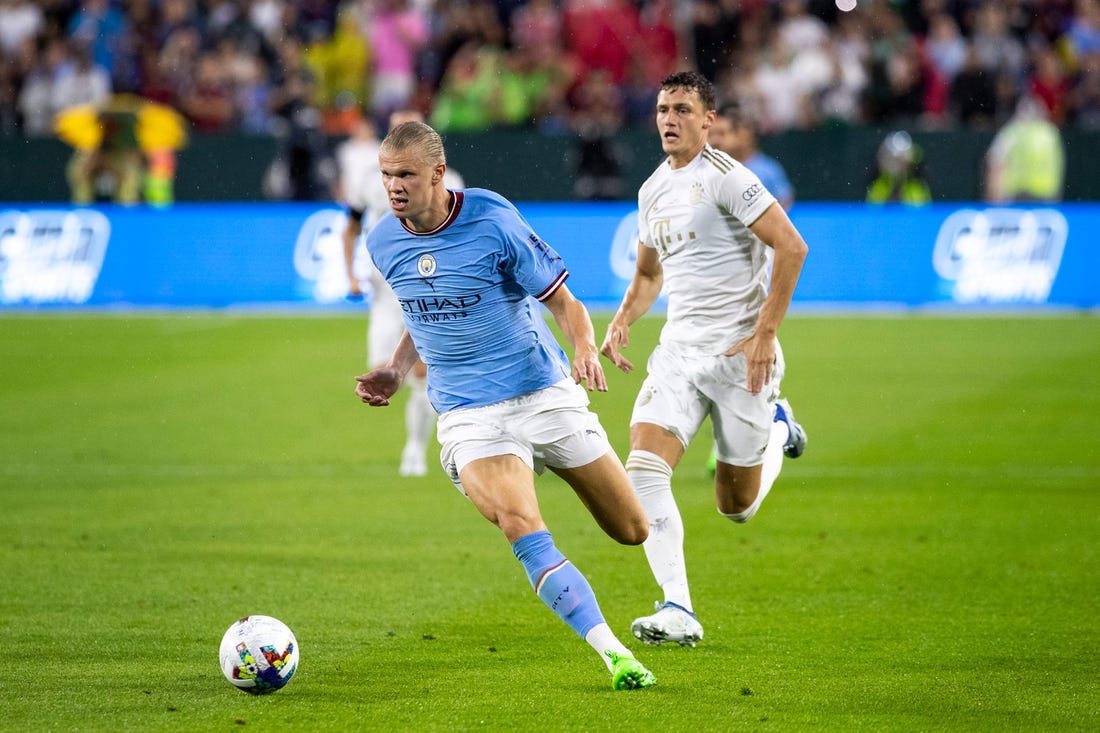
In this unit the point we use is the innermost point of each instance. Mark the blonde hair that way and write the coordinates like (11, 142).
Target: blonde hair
(417, 137)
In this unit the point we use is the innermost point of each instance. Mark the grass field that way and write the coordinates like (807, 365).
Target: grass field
(930, 564)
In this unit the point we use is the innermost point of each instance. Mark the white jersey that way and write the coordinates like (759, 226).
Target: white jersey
(361, 178)
(715, 269)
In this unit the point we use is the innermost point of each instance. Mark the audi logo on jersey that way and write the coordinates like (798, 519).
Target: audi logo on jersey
(752, 191)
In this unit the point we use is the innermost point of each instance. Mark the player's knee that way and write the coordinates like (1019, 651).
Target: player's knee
(515, 525)
(634, 532)
(737, 507)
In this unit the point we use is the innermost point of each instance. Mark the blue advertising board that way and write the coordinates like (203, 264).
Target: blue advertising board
(289, 256)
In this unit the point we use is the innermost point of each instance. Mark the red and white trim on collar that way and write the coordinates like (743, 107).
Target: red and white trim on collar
(456, 206)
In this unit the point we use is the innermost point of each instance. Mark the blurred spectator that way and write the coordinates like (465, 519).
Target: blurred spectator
(268, 18)
(714, 23)
(302, 169)
(536, 24)
(1083, 35)
(80, 81)
(341, 117)
(340, 63)
(1026, 161)
(36, 99)
(899, 172)
(945, 46)
(1084, 96)
(798, 28)
(252, 95)
(397, 31)
(20, 20)
(598, 116)
(456, 25)
(603, 34)
(787, 81)
(100, 27)
(974, 94)
(176, 63)
(999, 52)
(208, 101)
(839, 99)
(464, 100)
(660, 52)
(1049, 85)
(897, 87)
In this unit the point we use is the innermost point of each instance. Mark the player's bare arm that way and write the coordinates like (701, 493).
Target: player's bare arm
(377, 386)
(775, 229)
(576, 326)
(642, 292)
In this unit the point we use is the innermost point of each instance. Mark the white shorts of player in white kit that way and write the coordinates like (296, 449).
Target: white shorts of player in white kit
(550, 427)
(681, 390)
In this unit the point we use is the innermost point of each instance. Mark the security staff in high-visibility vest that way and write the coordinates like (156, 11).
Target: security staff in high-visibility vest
(1026, 161)
(899, 172)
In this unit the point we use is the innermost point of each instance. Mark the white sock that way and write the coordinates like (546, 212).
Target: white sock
(603, 639)
(664, 548)
(773, 462)
(420, 416)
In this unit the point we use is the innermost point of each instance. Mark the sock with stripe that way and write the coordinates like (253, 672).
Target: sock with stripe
(562, 587)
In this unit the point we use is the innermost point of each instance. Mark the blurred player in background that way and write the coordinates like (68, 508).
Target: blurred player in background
(1026, 161)
(362, 191)
(469, 272)
(899, 172)
(705, 222)
(734, 133)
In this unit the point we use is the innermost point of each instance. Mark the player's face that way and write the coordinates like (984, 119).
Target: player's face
(682, 123)
(410, 183)
(729, 138)
(718, 134)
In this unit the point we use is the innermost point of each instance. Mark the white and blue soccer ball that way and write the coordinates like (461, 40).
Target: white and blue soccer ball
(259, 654)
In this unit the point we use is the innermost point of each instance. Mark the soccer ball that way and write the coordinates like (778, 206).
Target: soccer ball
(259, 654)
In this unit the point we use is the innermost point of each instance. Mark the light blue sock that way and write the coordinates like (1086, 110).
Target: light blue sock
(560, 585)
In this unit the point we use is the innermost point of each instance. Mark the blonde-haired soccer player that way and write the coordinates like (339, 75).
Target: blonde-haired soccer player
(365, 197)
(470, 274)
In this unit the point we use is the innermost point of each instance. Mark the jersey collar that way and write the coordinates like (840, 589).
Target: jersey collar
(456, 206)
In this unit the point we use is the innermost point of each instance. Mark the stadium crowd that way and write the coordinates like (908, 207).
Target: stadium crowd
(553, 65)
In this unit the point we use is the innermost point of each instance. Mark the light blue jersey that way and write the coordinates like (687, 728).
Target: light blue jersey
(468, 293)
(771, 174)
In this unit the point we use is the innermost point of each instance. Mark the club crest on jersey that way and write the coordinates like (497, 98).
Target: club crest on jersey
(425, 265)
(696, 194)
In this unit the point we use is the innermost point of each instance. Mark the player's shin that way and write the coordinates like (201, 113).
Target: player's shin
(651, 477)
(557, 582)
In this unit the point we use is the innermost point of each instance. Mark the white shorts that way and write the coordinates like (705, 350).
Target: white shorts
(551, 427)
(681, 390)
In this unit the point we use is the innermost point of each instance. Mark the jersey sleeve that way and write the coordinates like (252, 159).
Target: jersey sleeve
(742, 194)
(531, 262)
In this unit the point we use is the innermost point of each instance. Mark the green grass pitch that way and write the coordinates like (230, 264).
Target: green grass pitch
(930, 564)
